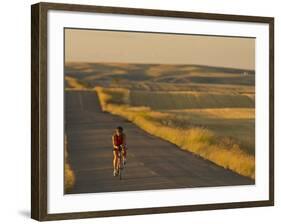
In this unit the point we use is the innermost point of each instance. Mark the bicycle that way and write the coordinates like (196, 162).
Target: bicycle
(120, 165)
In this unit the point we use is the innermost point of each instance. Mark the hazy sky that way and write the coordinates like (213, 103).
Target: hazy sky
(132, 47)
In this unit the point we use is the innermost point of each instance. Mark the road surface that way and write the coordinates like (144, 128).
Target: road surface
(152, 163)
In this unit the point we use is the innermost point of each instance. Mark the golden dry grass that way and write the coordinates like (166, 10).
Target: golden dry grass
(221, 113)
(69, 176)
(225, 152)
(73, 83)
(235, 123)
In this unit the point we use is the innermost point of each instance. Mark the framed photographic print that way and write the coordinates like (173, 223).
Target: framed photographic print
(139, 111)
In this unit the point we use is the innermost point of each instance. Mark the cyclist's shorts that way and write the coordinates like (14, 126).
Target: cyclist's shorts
(124, 151)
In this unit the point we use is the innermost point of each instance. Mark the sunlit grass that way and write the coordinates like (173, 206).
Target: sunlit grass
(69, 176)
(220, 113)
(235, 124)
(73, 83)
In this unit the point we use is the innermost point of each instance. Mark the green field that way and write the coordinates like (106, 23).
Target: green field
(206, 110)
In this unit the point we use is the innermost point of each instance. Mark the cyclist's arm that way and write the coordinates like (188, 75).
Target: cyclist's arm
(113, 143)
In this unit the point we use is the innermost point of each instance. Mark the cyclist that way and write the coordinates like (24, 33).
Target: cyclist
(119, 145)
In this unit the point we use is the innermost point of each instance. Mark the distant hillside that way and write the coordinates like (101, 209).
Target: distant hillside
(121, 74)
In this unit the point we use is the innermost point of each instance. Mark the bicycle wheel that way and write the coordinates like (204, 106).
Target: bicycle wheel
(120, 166)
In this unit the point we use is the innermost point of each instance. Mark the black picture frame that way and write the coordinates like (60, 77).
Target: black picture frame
(39, 107)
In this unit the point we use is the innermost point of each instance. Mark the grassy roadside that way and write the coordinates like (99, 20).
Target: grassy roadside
(198, 140)
(69, 177)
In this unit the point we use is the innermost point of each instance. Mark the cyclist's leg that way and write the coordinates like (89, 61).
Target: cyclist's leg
(118, 156)
(115, 160)
(119, 159)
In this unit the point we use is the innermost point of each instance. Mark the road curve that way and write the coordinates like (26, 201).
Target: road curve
(152, 163)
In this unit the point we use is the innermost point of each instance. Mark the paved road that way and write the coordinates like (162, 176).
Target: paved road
(152, 162)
